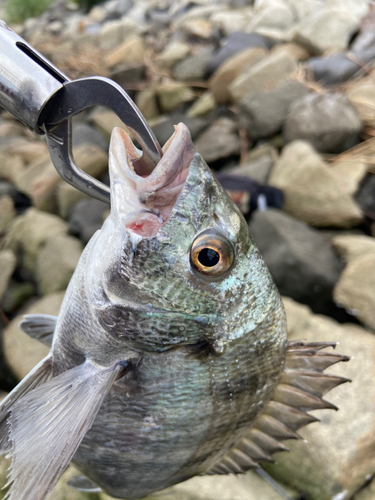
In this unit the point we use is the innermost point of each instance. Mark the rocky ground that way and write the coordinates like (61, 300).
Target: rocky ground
(279, 96)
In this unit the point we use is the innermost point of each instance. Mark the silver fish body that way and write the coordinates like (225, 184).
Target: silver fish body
(206, 356)
(161, 366)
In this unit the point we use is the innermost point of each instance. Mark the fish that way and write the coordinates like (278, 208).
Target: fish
(169, 357)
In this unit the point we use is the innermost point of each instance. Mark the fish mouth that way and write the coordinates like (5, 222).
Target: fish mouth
(143, 200)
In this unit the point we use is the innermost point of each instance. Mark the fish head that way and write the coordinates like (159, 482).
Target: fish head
(175, 263)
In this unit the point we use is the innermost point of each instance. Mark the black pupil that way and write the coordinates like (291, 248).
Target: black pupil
(208, 257)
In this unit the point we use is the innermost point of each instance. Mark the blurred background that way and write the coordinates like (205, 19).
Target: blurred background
(279, 97)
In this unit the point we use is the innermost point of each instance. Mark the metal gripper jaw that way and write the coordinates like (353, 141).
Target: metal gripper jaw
(45, 100)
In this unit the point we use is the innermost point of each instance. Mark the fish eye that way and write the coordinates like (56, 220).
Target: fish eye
(211, 253)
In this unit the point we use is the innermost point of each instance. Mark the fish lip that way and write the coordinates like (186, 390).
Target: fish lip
(144, 203)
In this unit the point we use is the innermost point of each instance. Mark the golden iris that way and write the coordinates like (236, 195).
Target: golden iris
(211, 253)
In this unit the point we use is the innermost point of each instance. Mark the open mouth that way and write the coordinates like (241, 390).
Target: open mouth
(148, 199)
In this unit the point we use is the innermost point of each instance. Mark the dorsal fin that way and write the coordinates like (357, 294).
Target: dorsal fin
(300, 389)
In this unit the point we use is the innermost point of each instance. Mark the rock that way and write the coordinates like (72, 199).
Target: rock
(172, 94)
(175, 51)
(328, 29)
(248, 486)
(128, 75)
(301, 262)
(28, 150)
(21, 351)
(367, 493)
(338, 68)
(200, 28)
(11, 166)
(231, 69)
(358, 8)
(335, 457)
(220, 140)
(20, 201)
(63, 491)
(91, 159)
(192, 68)
(352, 246)
(264, 75)
(363, 41)
(111, 35)
(130, 51)
(203, 105)
(236, 42)
(115, 32)
(355, 289)
(230, 21)
(349, 174)
(312, 193)
(361, 94)
(7, 213)
(28, 234)
(106, 120)
(259, 164)
(16, 294)
(85, 134)
(366, 196)
(86, 217)
(67, 197)
(293, 50)
(147, 104)
(165, 128)
(56, 263)
(328, 121)
(276, 15)
(7, 265)
(263, 113)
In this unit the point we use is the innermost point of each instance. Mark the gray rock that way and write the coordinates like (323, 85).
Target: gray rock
(192, 68)
(263, 113)
(327, 29)
(301, 262)
(364, 41)
(334, 459)
(29, 233)
(7, 265)
(366, 196)
(258, 170)
(219, 141)
(338, 68)
(328, 121)
(361, 93)
(86, 217)
(85, 134)
(16, 295)
(235, 43)
(56, 263)
(164, 129)
(128, 75)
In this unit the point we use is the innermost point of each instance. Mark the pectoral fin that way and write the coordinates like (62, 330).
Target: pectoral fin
(47, 425)
(39, 375)
(39, 327)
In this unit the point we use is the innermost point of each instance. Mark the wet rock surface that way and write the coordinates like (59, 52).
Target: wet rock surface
(279, 97)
